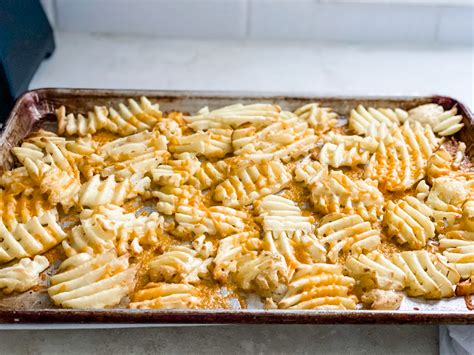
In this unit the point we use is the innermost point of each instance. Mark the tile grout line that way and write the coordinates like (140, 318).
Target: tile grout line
(247, 18)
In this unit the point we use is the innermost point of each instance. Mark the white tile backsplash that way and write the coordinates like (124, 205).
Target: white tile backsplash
(415, 21)
(457, 24)
(166, 18)
(306, 19)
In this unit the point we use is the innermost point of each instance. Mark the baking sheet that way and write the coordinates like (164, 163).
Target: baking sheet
(36, 108)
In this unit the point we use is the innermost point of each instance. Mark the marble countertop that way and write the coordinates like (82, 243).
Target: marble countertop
(92, 61)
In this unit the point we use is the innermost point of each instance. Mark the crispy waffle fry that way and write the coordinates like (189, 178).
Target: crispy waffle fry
(321, 119)
(251, 182)
(23, 275)
(375, 271)
(83, 281)
(402, 156)
(21, 208)
(319, 286)
(138, 153)
(126, 120)
(209, 174)
(362, 119)
(109, 227)
(216, 221)
(179, 264)
(446, 198)
(96, 192)
(165, 296)
(288, 233)
(457, 244)
(444, 123)
(351, 151)
(263, 273)
(36, 236)
(230, 250)
(214, 143)
(427, 274)
(178, 171)
(409, 221)
(340, 233)
(286, 139)
(233, 116)
(333, 191)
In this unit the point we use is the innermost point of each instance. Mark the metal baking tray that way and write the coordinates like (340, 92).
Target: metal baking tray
(36, 108)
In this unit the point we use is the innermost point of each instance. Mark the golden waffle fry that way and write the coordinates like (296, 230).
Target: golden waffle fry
(166, 296)
(251, 182)
(286, 139)
(179, 264)
(362, 120)
(319, 286)
(214, 143)
(209, 174)
(286, 232)
(444, 123)
(350, 151)
(23, 275)
(84, 281)
(321, 119)
(36, 236)
(409, 221)
(427, 274)
(375, 271)
(333, 191)
(109, 227)
(340, 233)
(178, 171)
(126, 120)
(402, 156)
(233, 116)
(138, 153)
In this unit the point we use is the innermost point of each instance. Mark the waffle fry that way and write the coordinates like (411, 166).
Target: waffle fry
(252, 182)
(179, 264)
(363, 120)
(83, 281)
(165, 296)
(427, 274)
(410, 221)
(286, 139)
(457, 243)
(23, 275)
(321, 119)
(126, 120)
(346, 233)
(375, 271)
(36, 236)
(233, 116)
(319, 286)
(109, 227)
(286, 232)
(444, 123)
(209, 174)
(333, 191)
(402, 156)
(351, 151)
(446, 198)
